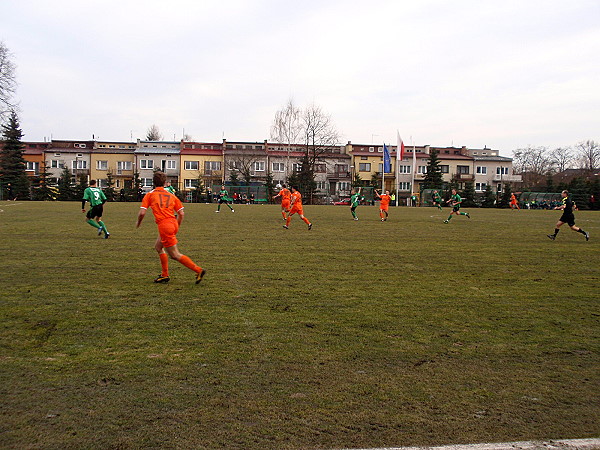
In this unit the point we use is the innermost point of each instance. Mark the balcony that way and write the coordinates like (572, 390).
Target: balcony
(463, 176)
(508, 178)
(339, 174)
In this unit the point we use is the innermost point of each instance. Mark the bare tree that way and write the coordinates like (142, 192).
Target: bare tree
(533, 163)
(561, 158)
(319, 133)
(286, 129)
(244, 164)
(154, 134)
(589, 154)
(8, 82)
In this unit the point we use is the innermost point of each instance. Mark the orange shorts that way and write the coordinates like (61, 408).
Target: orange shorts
(167, 229)
(285, 204)
(296, 209)
(384, 207)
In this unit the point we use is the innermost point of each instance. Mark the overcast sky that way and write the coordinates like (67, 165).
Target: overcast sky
(505, 74)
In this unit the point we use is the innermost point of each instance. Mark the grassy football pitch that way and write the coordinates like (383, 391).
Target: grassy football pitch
(354, 334)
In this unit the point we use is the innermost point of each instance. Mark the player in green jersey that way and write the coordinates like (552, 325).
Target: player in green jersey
(169, 188)
(224, 198)
(97, 199)
(455, 201)
(436, 199)
(355, 200)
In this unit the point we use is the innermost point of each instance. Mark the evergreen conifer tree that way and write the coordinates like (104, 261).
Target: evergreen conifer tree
(233, 178)
(505, 199)
(41, 191)
(80, 187)
(270, 186)
(489, 198)
(306, 180)
(109, 191)
(433, 178)
(293, 179)
(66, 191)
(12, 163)
(468, 195)
(579, 191)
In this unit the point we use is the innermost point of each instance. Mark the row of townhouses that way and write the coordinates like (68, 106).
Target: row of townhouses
(188, 163)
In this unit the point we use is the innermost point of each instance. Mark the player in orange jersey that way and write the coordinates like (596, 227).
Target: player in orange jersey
(285, 195)
(384, 204)
(513, 202)
(296, 207)
(168, 214)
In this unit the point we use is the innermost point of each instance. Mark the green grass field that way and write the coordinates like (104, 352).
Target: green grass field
(354, 334)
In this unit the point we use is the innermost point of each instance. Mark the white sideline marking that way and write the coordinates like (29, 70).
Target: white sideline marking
(564, 444)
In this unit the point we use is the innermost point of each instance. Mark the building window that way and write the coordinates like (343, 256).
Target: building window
(190, 183)
(371, 149)
(102, 183)
(57, 164)
(32, 166)
(146, 182)
(364, 167)
(320, 168)
(123, 165)
(146, 164)
(101, 165)
(296, 167)
(501, 170)
(445, 169)
(79, 164)
(380, 149)
(404, 169)
(321, 185)
(381, 168)
(278, 167)
(404, 186)
(343, 186)
(171, 164)
(341, 168)
(210, 166)
(462, 170)
(481, 170)
(259, 166)
(191, 165)
(480, 186)
(422, 170)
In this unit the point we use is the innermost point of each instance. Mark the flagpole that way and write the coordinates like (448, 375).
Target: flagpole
(414, 169)
(397, 171)
(383, 172)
